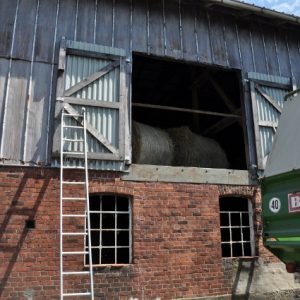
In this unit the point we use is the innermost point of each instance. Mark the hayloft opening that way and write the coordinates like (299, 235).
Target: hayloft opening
(192, 111)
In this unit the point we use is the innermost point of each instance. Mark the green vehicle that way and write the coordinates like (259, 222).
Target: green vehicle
(281, 188)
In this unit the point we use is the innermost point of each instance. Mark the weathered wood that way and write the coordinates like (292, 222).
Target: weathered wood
(45, 31)
(90, 129)
(86, 81)
(139, 25)
(85, 21)
(104, 19)
(258, 49)
(245, 47)
(96, 156)
(272, 84)
(203, 37)
(188, 32)
(271, 54)
(269, 99)
(36, 133)
(292, 41)
(92, 54)
(272, 124)
(23, 40)
(156, 28)
(172, 29)
(283, 54)
(62, 55)
(122, 28)
(14, 117)
(187, 175)
(231, 40)
(219, 50)
(187, 110)
(4, 64)
(94, 103)
(7, 17)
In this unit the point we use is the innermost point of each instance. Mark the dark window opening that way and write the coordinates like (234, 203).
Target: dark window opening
(110, 219)
(164, 94)
(236, 227)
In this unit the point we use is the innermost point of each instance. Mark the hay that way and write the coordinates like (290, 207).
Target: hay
(192, 150)
(151, 145)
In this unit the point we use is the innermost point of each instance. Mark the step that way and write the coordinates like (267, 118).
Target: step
(74, 198)
(73, 140)
(72, 115)
(76, 294)
(74, 252)
(73, 126)
(74, 233)
(76, 273)
(73, 167)
(73, 182)
(73, 216)
(73, 153)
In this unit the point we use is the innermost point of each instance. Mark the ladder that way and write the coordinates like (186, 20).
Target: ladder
(70, 140)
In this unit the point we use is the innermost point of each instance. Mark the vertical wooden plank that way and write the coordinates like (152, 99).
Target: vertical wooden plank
(203, 38)
(271, 54)
(188, 32)
(45, 31)
(4, 64)
(85, 21)
(172, 19)
(231, 40)
(294, 55)
(65, 22)
(7, 17)
(245, 47)
(122, 25)
(104, 22)
(156, 28)
(282, 53)
(24, 34)
(258, 49)
(219, 50)
(38, 114)
(139, 26)
(16, 104)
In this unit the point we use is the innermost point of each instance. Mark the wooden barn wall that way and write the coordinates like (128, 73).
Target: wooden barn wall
(30, 32)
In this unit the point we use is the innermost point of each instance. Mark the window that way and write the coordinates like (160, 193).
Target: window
(110, 217)
(236, 227)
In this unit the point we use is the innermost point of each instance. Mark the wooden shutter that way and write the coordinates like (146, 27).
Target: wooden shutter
(267, 97)
(94, 77)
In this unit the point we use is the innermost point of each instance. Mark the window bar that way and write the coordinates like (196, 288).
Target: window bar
(130, 232)
(242, 237)
(230, 234)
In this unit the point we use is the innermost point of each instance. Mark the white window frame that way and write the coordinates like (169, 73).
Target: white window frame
(116, 230)
(241, 227)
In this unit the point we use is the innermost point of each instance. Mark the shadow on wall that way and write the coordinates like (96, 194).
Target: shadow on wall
(11, 252)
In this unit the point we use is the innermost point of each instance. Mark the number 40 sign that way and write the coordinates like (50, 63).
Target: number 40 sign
(274, 205)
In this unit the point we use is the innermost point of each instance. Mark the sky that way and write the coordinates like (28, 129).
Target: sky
(286, 6)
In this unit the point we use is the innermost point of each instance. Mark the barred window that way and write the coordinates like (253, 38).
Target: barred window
(110, 217)
(237, 238)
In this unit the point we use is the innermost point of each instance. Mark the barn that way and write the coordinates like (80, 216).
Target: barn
(179, 101)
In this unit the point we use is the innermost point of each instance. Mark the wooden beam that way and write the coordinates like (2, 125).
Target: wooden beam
(88, 80)
(89, 102)
(269, 99)
(96, 134)
(187, 110)
(92, 54)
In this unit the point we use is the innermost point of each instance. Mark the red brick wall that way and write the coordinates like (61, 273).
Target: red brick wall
(176, 238)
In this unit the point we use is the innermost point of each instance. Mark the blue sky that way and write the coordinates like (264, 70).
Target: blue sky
(287, 6)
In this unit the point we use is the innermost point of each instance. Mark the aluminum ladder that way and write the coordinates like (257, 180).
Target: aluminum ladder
(66, 144)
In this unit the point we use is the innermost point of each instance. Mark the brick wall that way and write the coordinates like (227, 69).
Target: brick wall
(176, 237)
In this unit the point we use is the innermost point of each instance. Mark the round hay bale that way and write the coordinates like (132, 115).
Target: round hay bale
(151, 146)
(192, 150)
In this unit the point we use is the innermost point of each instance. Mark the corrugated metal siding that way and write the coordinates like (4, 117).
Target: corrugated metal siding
(178, 30)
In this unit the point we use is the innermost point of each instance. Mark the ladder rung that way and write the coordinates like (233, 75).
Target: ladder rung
(73, 126)
(74, 233)
(73, 140)
(76, 294)
(73, 182)
(73, 153)
(74, 198)
(76, 273)
(72, 115)
(73, 216)
(74, 252)
(72, 167)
